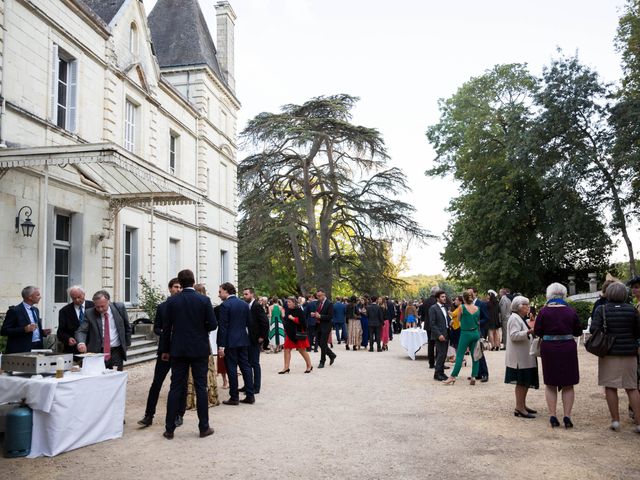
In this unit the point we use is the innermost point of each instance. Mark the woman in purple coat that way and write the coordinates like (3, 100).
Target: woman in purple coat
(557, 324)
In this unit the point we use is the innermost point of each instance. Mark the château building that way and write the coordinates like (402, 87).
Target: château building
(117, 143)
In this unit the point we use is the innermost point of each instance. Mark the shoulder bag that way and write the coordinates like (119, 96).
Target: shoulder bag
(599, 343)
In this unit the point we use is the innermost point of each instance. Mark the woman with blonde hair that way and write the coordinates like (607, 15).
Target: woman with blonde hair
(469, 336)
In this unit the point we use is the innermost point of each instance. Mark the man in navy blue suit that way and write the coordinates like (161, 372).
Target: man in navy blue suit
(233, 342)
(162, 367)
(186, 322)
(22, 324)
(258, 331)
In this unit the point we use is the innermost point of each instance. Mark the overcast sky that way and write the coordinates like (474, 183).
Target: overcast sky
(400, 57)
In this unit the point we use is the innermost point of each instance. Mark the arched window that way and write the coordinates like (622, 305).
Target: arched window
(133, 38)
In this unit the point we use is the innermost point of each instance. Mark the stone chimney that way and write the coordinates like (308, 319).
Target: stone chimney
(225, 23)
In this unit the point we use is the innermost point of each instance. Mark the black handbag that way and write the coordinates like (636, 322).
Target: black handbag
(599, 343)
(301, 336)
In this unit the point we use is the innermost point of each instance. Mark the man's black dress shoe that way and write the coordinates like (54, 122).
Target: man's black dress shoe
(518, 413)
(440, 378)
(332, 359)
(484, 379)
(146, 421)
(231, 402)
(432, 366)
(249, 400)
(321, 365)
(168, 435)
(206, 433)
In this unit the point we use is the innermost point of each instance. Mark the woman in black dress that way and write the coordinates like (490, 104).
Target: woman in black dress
(295, 330)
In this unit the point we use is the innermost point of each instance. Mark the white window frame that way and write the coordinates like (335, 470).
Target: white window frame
(70, 106)
(224, 266)
(60, 244)
(174, 152)
(132, 257)
(133, 38)
(174, 257)
(130, 117)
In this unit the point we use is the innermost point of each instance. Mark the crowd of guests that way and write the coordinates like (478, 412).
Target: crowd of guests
(197, 341)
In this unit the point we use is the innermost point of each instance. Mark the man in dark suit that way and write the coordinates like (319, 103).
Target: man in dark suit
(233, 343)
(440, 321)
(22, 324)
(162, 366)
(323, 314)
(376, 322)
(426, 305)
(106, 330)
(186, 322)
(258, 331)
(71, 316)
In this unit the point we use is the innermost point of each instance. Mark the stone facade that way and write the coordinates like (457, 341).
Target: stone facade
(129, 168)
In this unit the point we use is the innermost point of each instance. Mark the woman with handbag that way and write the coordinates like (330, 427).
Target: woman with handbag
(522, 367)
(618, 368)
(469, 336)
(295, 335)
(557, 324)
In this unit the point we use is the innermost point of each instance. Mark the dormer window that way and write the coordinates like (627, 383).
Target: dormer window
(133, 38)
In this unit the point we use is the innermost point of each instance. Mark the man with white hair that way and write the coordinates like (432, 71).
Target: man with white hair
(505, 313)
(71, 316)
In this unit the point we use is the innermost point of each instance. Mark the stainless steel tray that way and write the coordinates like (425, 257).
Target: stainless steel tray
(35, 363)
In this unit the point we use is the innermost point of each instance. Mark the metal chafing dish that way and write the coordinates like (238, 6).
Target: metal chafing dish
(43, 363)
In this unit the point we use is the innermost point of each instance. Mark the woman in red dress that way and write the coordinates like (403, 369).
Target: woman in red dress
(295, 335)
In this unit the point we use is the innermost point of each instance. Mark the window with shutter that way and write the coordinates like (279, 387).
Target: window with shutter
(64, 87)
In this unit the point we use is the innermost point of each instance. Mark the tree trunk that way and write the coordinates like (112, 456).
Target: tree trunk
(619, 216)
(301, 274)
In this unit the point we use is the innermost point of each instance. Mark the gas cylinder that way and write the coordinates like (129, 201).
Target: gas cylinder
(17, 437)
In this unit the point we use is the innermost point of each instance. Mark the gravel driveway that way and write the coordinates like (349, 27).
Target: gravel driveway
(370, 415)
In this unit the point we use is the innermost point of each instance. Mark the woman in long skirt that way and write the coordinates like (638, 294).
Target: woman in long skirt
(355, 327)
(276, 325)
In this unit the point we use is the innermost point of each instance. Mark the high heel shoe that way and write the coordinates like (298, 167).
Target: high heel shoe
(284, 371)
(554, 422)
(530, 410)
(567, 422)
(309, 370)
(449, 381)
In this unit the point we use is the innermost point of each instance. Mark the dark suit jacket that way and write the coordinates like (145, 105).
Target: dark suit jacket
(326, 314)
(187, 319)
(484, 312)
(157, 323)
(68, 324)
(235, 318)
(308, 308)
(90, 332)
(16, 319)
(259, 325)
(375, 314)
(438, 322)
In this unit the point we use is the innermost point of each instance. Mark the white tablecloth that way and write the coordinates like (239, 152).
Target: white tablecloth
(71, 412)
(412, 340)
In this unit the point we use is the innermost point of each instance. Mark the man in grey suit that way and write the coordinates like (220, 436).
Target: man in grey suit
(440, 320)
(106, 330)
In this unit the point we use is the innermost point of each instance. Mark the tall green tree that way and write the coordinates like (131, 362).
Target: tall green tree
(515, 222)
(576, 138)
(323, 183)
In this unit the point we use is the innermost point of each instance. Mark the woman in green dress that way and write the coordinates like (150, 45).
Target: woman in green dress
(469, 336)
(276, 326)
